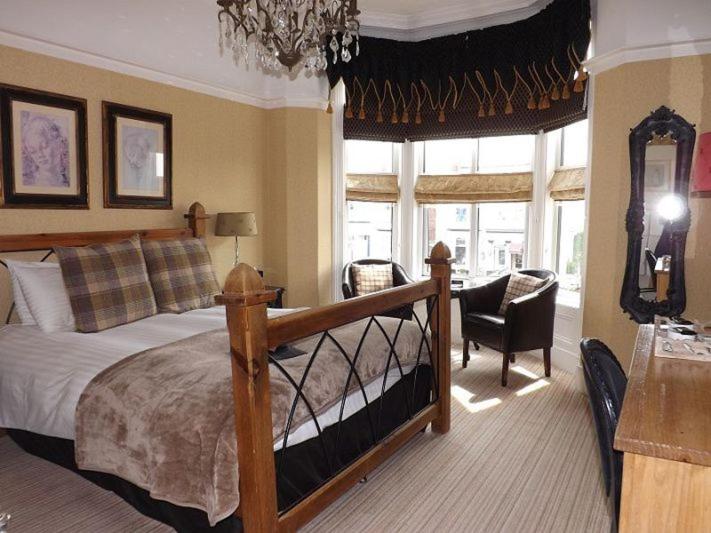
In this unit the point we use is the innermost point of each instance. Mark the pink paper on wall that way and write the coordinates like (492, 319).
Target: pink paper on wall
(701, 175)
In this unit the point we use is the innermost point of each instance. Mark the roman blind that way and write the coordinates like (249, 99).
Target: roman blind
(568, 184)
(372, 187)
(465, 188)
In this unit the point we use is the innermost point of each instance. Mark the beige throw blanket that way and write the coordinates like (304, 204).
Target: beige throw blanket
(163, 419)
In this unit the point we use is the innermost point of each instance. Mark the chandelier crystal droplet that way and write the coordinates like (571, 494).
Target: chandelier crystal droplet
(285, 33)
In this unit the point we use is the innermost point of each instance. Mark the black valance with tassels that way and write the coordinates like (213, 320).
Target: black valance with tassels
(511, 79)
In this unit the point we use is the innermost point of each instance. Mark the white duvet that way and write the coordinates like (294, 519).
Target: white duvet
(42, 375)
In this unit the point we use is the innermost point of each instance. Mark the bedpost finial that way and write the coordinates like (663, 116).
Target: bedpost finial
(197, 209)
(441, 251)
(440, 255)
(243, 278)
(197, 220)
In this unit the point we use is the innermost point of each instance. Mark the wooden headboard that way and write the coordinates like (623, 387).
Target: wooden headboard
(46, 241)
(196, 217)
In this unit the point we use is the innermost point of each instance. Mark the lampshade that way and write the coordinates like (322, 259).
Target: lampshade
(242, 224)
(701, 177)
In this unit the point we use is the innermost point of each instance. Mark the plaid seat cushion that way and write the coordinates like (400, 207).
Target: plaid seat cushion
(107, 284)
(519, 285)
(181, 274)
(371, 278)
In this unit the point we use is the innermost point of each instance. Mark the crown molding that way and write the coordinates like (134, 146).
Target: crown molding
(131, 69)
(446, 20)
(621, 56)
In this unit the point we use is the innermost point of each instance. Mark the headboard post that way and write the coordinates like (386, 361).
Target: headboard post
(197, 219)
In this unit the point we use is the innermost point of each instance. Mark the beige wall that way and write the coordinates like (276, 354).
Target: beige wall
(229, 156)
(298, 204)
(623, 97)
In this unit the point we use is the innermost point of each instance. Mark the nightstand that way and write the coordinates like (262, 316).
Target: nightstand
(278, 303)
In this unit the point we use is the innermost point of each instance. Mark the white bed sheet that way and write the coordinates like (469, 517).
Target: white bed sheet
(42, 375)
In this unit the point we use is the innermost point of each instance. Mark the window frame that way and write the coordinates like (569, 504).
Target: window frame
(396, 150)
(476, 158)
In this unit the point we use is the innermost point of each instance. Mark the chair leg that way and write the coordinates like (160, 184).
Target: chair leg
(547, 361)
(465, 353)
(512, 358)
(476, 345)
(505, 370)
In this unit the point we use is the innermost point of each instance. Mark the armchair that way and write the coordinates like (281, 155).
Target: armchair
(400, 277)
(527, 324)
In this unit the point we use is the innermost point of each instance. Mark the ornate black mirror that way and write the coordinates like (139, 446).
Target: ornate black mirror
(661, 148)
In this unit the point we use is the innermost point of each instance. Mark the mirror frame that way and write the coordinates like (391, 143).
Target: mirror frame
(661, 122)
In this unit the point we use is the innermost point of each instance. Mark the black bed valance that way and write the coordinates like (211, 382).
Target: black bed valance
(504, 80)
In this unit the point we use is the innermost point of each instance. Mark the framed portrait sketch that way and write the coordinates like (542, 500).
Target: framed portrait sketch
(44, 154)
(657, 176)
(137, 157)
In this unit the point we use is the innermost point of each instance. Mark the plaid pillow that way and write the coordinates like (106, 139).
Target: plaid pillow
(519, 285)
(107, 284)
(371, 278)
(181, 274)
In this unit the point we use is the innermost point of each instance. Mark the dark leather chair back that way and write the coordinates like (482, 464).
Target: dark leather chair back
(606, 383)
(400, 278)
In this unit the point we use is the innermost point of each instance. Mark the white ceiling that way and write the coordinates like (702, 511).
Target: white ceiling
(175, 41)
(414, 14)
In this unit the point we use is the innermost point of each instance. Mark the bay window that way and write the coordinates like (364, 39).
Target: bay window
(478, 196)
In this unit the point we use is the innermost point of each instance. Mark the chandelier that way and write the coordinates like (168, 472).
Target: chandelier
(284, 33)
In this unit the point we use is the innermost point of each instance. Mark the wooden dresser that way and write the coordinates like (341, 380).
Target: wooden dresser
(665, 434)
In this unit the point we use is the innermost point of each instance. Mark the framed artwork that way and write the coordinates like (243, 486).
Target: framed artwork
(137, 157)
(657, 176)
(44, 153)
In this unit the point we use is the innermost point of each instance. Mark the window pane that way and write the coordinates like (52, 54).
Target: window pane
(370, 230)
(506, 154)
(569, 246)
(452, 156)
(369, 157)
(501, 238)
(574, 151)
(451, 224)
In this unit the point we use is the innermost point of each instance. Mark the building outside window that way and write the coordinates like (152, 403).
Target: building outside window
(569, 244)
(501, 238)
(370, 230)
(369, 224)
(451, 224)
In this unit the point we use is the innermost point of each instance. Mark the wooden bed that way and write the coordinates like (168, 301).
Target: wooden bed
(252, 336)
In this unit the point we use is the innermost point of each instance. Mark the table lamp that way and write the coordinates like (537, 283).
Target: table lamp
(242, 224)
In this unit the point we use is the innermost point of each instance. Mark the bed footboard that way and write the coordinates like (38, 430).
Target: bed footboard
(252, 336)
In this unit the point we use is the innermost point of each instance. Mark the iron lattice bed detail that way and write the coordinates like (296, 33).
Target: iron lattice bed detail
(414, 395)
(425, 390)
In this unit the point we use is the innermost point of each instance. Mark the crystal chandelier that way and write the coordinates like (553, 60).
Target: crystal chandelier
(288, 32)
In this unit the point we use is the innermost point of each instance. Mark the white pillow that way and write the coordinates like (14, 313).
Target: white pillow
(45, 295)
(23, 312)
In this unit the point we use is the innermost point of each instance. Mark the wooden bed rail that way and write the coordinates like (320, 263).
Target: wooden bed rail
(251, 336)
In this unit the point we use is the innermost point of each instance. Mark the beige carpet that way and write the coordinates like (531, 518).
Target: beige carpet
(518, 459)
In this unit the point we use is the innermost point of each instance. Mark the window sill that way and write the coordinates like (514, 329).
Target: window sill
(568, 299)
